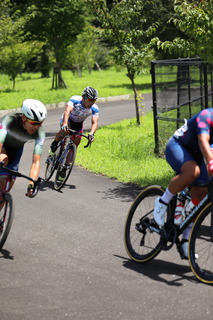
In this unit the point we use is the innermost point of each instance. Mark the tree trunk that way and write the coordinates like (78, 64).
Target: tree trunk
(57, 81)
(45, 65)
(136, 100)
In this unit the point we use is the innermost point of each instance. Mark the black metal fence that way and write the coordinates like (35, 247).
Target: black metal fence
(180, 89)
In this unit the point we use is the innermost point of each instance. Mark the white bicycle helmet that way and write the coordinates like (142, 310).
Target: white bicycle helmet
(34, 110)
(90, 93)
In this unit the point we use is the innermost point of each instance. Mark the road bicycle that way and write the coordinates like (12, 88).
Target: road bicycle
(144, 239)
(7, 211)
(64, 157)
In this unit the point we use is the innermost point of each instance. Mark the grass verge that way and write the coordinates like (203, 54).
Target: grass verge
(125, 151)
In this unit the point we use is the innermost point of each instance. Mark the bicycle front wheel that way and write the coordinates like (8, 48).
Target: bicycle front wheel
(65, 165)
(201, 246)
(51, 164)
(6, 218)
(142, 243)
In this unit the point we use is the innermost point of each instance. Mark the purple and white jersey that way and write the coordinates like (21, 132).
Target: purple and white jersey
(79, 113)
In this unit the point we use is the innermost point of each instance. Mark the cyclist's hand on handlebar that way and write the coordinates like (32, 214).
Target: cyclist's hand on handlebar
(64, 127)
(32, 189)
(91, 137)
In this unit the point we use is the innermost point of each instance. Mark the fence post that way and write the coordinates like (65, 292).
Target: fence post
(155, 113)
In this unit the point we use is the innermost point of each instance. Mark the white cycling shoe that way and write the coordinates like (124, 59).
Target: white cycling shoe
(159, 212)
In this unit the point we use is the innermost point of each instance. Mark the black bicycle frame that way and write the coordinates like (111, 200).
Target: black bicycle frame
(66, 150)
(194, 213)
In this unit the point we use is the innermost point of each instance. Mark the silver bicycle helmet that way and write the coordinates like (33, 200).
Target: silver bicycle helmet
(90, 93)
(34, 110)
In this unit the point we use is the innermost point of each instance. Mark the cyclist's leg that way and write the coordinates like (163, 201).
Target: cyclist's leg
(75, 138)
(78, 127)
(58, 137)
(187, 170)
(4, 174)
(11, 158)
(197, 194)
(4, 158)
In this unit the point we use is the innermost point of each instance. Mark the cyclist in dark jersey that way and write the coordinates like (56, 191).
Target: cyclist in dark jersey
(189, 153)
(15, 130)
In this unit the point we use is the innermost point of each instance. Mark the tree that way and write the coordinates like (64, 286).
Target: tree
(15, 52)
(86, 53)
(57, 23)
(122, 24)
(195, 19)
(14, 57)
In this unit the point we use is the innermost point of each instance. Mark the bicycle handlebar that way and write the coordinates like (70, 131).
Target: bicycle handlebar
(82, 135)
(18, 174)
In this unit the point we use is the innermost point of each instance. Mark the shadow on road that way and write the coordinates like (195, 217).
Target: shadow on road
(6, 254)
(127, 192)
(162, 271)
(50, 185)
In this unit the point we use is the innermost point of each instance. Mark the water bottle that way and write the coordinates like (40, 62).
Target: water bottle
(179, 214)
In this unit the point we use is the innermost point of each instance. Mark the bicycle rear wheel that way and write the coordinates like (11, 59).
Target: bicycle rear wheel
(6, 218)
(201, 246)
(142, 243)
(59, 183)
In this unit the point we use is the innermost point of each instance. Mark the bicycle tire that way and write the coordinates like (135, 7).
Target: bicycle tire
(58, 184)
(201, 246)
(51, 164)
(142, 247)
(6, 218)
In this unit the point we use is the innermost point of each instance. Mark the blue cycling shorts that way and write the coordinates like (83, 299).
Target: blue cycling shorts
(14, 156)
(177, 154)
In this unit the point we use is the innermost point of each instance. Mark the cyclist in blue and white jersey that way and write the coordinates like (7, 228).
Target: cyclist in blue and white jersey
(76, 111)
(189, 154)
(15, 130)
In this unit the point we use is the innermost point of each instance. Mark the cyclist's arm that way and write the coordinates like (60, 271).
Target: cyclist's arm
(36, 159)
(67, 111)
(34, 172)
(203, 140)
(94, 125)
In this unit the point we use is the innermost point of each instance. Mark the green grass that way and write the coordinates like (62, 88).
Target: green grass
(125, 151)
(30, 85)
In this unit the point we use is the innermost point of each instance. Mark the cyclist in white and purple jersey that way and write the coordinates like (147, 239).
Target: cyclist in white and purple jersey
(15, 130)
(189, 154)
(76, 111)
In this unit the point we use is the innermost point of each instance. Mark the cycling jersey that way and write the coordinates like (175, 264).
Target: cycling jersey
(79, 113)
(183, 146)
(200, 123)
(13, 136)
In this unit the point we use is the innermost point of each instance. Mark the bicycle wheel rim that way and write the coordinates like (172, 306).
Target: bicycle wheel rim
(6, 218)
(50, 168)
(201, 246)
(142, 248)
(58, 184)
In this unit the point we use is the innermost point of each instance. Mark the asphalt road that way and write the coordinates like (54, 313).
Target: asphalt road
(65, 257)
